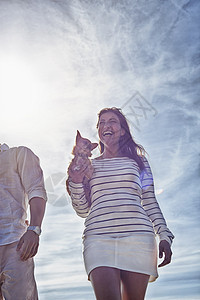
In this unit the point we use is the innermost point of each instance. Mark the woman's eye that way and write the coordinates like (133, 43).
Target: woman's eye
(102, 123)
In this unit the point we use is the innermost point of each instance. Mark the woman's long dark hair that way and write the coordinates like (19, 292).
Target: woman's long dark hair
(128, 147)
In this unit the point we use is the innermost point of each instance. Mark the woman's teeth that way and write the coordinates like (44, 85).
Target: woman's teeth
(107, 133)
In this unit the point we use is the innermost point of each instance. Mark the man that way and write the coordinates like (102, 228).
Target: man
(21, 183)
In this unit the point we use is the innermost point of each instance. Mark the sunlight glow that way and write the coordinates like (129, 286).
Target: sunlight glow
(20, 89)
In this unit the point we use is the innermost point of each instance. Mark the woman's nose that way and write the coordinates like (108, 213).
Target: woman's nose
(107, 124)
(106, 127)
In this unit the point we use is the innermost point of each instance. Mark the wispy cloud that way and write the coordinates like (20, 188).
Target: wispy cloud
(62, 61)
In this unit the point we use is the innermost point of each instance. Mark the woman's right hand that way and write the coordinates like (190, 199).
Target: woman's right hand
(77, 176)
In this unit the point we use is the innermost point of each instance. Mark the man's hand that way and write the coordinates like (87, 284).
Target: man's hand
(28, 245)
(164, 247)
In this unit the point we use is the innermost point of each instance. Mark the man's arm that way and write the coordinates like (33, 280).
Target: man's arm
(29, 242)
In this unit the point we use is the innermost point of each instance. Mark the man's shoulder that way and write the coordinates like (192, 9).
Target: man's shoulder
(23, 148)
(21, 151)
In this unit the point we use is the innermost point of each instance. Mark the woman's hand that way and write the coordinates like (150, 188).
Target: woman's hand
(164, 247)
(77, 176)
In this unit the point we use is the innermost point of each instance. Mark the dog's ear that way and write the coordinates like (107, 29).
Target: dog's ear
(78, 136)
(93, 146)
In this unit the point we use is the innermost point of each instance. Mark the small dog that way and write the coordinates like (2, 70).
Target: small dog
(82, 151)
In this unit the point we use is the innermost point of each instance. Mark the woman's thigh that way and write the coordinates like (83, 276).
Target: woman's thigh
(134, 285)
(106, 283)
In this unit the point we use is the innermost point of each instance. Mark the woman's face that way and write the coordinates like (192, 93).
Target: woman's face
(110, 129)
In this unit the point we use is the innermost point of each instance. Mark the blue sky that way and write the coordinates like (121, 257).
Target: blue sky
(62, 61)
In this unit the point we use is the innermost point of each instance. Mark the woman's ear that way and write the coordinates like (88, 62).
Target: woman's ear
(123, 131)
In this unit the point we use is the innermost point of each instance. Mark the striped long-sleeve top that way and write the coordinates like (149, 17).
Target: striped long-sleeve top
(123, 201)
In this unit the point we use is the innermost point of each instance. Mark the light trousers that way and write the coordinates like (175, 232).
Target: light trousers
(17, 280)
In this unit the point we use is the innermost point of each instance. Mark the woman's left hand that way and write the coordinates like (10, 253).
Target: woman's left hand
(164, 247)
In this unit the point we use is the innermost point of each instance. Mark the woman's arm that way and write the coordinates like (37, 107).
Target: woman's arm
(79, 201)
(75, 188)
(153, 210)
(151, 206)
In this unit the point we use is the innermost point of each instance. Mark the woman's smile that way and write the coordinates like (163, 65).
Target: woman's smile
(109, 129)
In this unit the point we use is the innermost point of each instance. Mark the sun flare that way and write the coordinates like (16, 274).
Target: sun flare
(20, 87)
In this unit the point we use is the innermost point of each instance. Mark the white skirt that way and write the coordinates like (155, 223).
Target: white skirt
(135, 253)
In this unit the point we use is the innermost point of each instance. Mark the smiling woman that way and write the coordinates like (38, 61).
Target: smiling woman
(122, 214)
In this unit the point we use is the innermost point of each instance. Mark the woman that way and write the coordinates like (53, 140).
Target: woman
(122, 214)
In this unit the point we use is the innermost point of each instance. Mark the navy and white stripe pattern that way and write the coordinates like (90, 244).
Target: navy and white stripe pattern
(122, 200)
